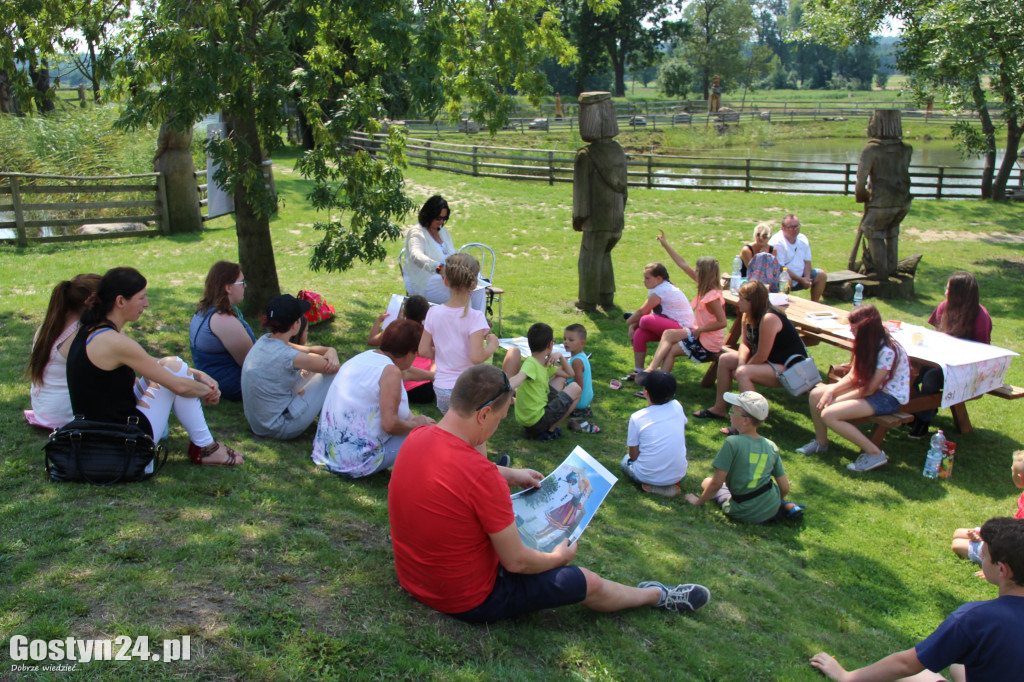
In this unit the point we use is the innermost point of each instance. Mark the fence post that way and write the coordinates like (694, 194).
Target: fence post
(650, 163)
(746, 187)
(551, 168)
(430, 160)
(938, 183)
(19, 215)
(81, 95)
(161, 197)
(476, 170)
(846, 181)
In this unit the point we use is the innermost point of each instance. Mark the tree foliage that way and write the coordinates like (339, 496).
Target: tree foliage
(971, 52)
(184, 59)
(718, 31)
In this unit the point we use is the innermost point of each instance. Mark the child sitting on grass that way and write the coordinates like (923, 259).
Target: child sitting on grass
(967, 541)
(418, 379)
(456, 336)
(745, 466)
(656, 437)
(543, 401)
(574, 339)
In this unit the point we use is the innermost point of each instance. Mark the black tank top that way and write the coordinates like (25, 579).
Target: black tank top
(787, 342)
(99, 394)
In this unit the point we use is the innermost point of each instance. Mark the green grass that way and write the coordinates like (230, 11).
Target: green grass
(278, 571)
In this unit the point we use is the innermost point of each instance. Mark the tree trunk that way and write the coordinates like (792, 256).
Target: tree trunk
(255, 247)
(8, 103)
(618, 58)
(989, 131)
(92, 74)
(41, 82)
(1013, 135)
(305, 130)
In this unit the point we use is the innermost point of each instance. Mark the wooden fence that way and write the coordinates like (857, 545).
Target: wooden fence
(655, 171)
(31, 205)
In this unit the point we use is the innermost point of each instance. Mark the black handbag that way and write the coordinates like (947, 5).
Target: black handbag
(102, 453)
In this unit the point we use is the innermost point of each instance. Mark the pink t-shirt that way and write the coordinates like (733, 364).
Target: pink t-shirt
(982, 323)
(1020, 507)
(419, 363)
(450, 332)
(712, 341)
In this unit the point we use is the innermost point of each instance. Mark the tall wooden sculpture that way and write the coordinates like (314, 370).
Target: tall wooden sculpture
(598, 199)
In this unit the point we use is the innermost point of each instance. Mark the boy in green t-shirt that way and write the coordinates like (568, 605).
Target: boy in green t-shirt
(543, 401)
(749, 481)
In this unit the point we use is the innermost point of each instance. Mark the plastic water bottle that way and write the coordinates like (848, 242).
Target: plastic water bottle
(734, 280)
(785, 282)
(858, 294)
(935, 454)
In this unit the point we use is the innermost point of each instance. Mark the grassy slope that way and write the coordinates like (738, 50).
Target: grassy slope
(278, 571)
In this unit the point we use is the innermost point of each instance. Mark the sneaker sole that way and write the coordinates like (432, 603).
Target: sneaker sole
(870, 468)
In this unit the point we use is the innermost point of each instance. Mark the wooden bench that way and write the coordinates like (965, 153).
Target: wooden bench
(883, 422)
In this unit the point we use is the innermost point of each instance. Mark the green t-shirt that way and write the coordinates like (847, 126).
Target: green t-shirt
(532, 394)
(749, 463)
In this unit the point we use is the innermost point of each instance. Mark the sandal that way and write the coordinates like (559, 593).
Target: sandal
(797, 512)
(639, 394)
(629, 377)
(663, 490)
(728, 431)
(708, 414)
(582, 426)
(199, 455)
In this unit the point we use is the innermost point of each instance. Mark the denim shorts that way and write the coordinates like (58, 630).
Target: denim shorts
(883, 403)
(974, 551)
(515, 594)
(797, 286)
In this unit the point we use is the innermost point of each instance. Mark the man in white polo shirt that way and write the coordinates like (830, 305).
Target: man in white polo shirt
(794, 253)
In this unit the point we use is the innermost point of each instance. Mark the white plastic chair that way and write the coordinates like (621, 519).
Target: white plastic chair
(401, 269)
(485, 255)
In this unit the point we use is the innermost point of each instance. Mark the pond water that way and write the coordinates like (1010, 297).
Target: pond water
(791, 165)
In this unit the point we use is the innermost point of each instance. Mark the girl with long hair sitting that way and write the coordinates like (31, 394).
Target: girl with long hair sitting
(103, 362)
(878, 383)
(960, 315)
(47, 364)
(218, 335)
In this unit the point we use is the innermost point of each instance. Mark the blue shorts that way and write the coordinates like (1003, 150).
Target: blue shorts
(883, 403)
(796, 286)
(515, 594)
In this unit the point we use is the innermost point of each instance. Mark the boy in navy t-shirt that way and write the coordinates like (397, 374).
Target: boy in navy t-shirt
(981, 641)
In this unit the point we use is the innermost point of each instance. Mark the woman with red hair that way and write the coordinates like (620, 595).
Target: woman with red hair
(878, 383)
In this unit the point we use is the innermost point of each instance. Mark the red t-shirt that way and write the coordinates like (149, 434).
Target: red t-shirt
(444, 500)
(982, 323)
(1020, 507)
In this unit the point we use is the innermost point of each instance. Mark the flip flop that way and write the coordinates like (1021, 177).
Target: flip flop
(708, 414)
(728, 431)
(639, 394)
(629, 377)
(797, 512)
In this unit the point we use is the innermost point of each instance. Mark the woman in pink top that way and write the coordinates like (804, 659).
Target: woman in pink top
(960, 315)
(418, 380)
(706, 337)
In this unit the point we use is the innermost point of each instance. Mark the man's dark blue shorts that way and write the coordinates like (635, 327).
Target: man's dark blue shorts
(515, 594)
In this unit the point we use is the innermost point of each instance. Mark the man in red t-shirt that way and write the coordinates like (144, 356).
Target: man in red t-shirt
(454, 534)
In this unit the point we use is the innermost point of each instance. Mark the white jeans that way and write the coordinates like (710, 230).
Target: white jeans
(156, 402)
(437, 292)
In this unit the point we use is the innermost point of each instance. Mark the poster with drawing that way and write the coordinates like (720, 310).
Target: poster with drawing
(564, 503)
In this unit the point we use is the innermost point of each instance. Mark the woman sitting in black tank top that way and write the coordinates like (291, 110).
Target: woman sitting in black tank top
(103, 362)
(769, 339)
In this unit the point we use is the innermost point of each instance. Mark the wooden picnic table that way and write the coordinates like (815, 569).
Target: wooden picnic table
(821, 323)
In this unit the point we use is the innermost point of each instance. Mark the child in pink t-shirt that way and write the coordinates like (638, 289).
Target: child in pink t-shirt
(967, 541)
(706, 337)
(455, 335)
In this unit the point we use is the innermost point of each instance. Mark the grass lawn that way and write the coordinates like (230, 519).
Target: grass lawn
(278, 571)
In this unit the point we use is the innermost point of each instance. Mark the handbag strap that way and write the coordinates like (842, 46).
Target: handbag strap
(786, 365)
(76, 453)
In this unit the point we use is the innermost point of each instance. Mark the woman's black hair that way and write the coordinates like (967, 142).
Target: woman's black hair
(116, 282)
(432, 209)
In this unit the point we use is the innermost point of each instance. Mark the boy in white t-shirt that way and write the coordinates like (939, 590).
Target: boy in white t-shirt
(656, 437)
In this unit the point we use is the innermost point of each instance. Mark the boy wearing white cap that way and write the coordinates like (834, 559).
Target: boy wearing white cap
(749, 481)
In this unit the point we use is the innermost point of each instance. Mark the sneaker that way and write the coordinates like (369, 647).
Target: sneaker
(663, 490)
(813, 448)
(866, 462)
(680, 597)
(919, 430)
(503, 461)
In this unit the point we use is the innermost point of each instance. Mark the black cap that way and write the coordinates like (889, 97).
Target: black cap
(286, 309)
(660, 385)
